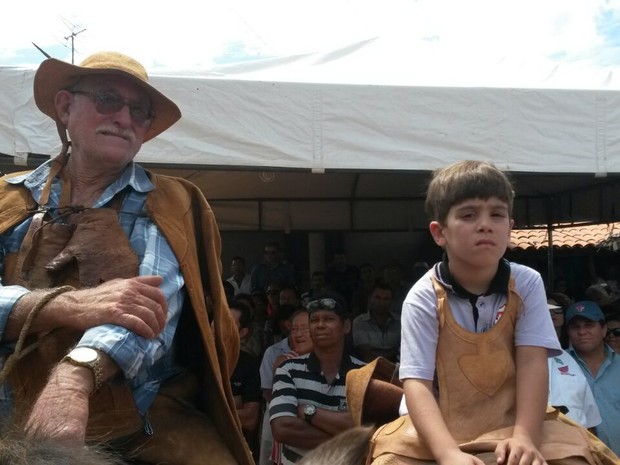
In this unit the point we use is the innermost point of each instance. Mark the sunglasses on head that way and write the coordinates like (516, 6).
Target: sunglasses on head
(557, 311)
(327, 304)
(614, 332)
(107, 103)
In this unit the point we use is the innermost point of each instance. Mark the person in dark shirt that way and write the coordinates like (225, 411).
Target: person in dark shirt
(245, 380)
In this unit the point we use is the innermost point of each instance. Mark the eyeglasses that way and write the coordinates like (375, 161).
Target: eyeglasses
(300, 330)
(273, 291)
(614, 332)
(107, 103)
(328, 304)
(556, 311)
(270, 252)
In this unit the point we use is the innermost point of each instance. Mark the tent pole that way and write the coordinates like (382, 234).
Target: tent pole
(550, 271)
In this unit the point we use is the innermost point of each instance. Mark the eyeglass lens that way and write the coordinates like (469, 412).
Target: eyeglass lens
(614, 332)
(107, 102)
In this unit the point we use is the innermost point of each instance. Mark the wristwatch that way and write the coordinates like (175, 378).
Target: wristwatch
(309, 412)
(89, 358)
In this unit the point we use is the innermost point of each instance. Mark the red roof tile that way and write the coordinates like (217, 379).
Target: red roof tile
(595, 235)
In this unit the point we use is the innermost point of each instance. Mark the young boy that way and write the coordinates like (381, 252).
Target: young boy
(482, 325)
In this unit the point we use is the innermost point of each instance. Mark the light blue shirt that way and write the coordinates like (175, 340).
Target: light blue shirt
(144, 362)
(606, 390)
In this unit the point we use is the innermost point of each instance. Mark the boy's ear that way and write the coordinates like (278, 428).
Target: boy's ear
(437, 232)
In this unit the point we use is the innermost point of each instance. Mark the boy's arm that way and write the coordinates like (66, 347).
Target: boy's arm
(428, 421)
(532, 396)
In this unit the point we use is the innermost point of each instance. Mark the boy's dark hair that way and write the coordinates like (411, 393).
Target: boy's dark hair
(245, 313)
(465, 180)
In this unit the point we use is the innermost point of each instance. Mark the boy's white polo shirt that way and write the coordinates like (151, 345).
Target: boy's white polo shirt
(420, 324)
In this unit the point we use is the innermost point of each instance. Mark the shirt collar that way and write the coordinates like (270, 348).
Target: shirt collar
(314, 364)
(499, 283)
(133, 176)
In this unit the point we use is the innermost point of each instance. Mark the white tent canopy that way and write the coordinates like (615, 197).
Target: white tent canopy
(370, 129)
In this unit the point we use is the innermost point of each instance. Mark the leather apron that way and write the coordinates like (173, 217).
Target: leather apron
(81, 248)
(477, 397)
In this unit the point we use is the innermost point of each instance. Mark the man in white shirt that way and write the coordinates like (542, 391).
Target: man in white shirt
(240, 280)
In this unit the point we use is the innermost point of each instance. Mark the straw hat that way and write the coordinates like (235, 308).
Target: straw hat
(54, 75)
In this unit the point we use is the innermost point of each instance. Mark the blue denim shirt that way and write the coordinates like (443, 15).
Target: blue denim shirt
(606, 390)
(144, 362)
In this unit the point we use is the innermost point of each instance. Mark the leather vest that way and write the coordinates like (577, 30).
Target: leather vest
(476, 371)
(81, 248)
(477, 398)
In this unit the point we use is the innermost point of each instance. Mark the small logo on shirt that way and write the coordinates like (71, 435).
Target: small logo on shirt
(563, 369)
(500, 313)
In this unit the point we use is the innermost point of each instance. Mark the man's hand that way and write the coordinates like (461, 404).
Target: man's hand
(61, 411)
(137, 304)
(282, 358)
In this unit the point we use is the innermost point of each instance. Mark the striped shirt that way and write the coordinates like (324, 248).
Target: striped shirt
(301, 381)
(144, 362)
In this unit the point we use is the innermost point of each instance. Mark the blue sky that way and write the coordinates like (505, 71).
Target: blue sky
(203, 35)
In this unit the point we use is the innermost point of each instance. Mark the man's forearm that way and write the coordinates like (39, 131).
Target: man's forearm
(45, 319)
(297, 433)
(332, 422)
(248, 415)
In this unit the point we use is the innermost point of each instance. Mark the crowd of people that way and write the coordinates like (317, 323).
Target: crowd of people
(373, 310)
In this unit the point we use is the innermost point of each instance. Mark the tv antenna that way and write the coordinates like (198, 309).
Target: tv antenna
(72, 37)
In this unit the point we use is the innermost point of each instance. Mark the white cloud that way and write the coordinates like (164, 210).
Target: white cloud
(189, 34)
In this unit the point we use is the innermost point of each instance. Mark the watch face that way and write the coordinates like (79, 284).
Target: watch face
(84, 354)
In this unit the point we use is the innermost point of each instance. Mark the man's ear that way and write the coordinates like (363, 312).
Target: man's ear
(63, 101)
(436, 230)
(244, 332)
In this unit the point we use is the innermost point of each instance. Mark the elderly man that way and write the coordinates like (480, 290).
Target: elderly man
(104, 266)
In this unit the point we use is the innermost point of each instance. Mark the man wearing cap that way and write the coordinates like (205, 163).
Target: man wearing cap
(601, 366)
(309, 405)
(98, 258)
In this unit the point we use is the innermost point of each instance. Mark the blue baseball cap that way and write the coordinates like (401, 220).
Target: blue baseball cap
(586, 309)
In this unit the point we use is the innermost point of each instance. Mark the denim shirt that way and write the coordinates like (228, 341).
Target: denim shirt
(144, 362)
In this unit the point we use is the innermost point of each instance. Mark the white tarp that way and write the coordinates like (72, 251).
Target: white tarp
(256, 115)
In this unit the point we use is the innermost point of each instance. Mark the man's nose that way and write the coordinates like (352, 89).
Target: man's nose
(123, 115)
